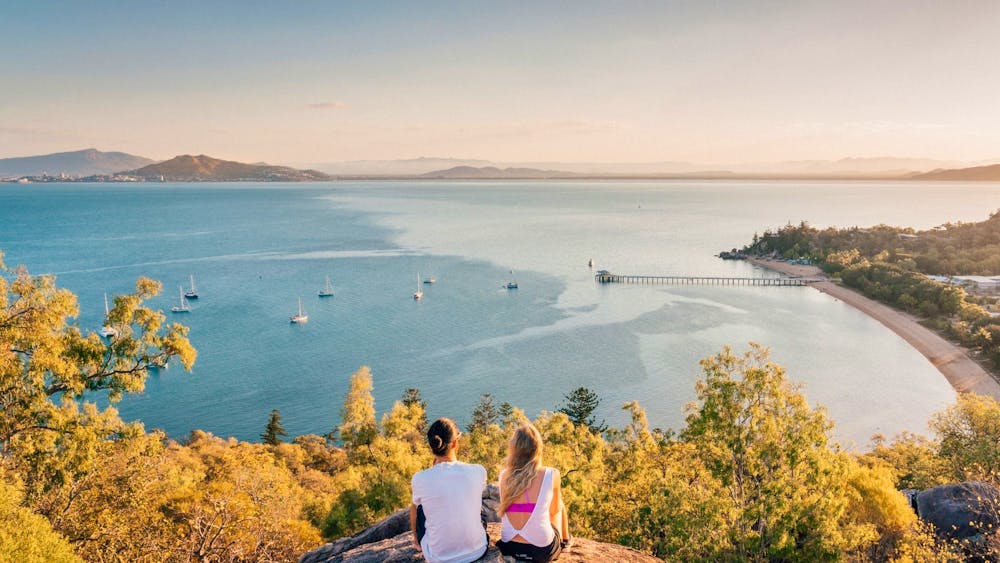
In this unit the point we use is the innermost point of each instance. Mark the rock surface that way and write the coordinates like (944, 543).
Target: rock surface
(400, 549)
(962, 510)
(390, 541)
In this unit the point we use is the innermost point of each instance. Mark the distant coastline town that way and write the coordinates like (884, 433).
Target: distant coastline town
(92, 165)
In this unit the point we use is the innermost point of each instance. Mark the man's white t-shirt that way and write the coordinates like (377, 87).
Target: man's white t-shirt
(451, 495)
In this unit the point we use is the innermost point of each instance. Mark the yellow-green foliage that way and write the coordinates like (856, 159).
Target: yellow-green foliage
(357, 427)
(227, 498)
(381, 461)
(753, 476)
(969, 433)
(26, 537)
(913, 459)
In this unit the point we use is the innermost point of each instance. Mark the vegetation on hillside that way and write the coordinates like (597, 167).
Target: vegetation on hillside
(889, 264)
(753, 475)
(201, 168)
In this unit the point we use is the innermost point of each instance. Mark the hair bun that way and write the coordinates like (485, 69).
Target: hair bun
(441, 434)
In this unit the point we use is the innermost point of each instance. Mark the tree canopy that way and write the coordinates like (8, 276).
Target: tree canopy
(753, 475)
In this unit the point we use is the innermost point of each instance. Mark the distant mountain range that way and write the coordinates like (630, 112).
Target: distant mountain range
(76, 163)
(853, 169)
(404, 167)
(201, 168)
(492, 172)
(975, 174)
(869, 167)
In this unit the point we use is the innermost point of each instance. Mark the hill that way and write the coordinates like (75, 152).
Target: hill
(492, 172)
(404, 167)
(975, 174)
(76, 163)
(201, 168)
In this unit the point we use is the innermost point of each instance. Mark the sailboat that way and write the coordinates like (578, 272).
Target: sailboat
(418, 295)
(183, 307)
(512, 284)
(301, 317)
(327, 290)
(107, 331)
(193, 294)
(431, 279)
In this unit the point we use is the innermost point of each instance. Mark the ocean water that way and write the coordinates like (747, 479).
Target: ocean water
(254, 249)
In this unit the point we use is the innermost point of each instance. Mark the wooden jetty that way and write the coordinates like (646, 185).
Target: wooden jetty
(608, 277)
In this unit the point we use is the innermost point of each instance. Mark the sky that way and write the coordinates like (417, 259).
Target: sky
(315, 81)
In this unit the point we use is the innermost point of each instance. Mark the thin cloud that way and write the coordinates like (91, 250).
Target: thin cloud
(873, 126)
(329, 105)
(534, 129)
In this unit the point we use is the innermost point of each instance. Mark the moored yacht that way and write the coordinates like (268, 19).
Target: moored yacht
(327, 290)
(193, 294)
(300, 317)
(418, 295)
(183, 307)
(512, 284)
(107, 331)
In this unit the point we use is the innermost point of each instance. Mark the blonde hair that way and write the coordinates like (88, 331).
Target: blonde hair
(524, 459)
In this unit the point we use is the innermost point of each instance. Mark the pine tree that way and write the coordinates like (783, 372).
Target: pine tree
(580, 406)
(485, 414)
(412, 397)
(273, 431)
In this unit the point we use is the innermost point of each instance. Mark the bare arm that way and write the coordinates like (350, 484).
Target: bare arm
(413, 525)
(556, 504)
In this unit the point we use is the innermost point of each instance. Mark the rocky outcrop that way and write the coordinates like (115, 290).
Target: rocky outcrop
(390, 541)
(962, 510)
(400, 549)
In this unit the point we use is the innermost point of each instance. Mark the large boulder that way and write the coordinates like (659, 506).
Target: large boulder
(962, 510)
(395, 525)
(390, 541)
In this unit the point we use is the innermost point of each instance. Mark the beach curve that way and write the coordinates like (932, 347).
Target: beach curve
(953, 361)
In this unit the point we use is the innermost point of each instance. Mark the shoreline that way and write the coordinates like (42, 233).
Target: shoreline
(953, 361)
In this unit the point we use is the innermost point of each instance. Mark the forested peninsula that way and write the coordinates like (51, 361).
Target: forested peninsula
(752, 475)
(944, 275)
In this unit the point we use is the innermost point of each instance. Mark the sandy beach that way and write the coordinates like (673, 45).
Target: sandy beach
(953, 361)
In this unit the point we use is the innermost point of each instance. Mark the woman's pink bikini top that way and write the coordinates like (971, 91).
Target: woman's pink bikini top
(522, 506)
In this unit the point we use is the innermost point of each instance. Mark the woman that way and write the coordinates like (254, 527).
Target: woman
(534, 524)
(447, 502)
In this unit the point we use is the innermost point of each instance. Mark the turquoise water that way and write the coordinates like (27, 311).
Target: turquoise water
(255, 248)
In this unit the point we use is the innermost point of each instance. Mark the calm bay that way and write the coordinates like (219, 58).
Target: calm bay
(255, 248)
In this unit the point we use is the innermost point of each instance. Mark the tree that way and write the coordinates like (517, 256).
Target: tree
(412, 397)
(357, 417)
(232, 501)
(26, 536)
(47, 364)
(913, 459)
(950, 300)
(485, 414)
(789, 493)
(406, 422)
(580, 406)
(969, 434)
(274, 430)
